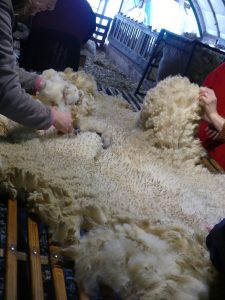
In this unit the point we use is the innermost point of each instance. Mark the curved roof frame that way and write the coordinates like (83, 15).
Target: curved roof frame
(210, 17)
(215, 18)
(198, 15)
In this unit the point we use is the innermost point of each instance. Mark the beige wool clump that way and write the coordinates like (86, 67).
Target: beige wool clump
(144, 213)
(148, 261)
(170, 114)
(57, 91)
(82, 80)
(62, 92)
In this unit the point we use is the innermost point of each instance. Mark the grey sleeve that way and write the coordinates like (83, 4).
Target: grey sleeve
(27, 80)
(15, 103)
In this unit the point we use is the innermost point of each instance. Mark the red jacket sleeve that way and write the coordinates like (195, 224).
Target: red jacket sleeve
(215, 81)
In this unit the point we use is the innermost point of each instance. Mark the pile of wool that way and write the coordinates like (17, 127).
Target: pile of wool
(143, 212)
(82, 80)
(62, 92)
(149, 261)
(170, 116)
(4, 125)
(57, 91)
(89, 50)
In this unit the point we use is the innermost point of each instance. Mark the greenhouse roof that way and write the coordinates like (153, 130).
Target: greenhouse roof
(210, 15)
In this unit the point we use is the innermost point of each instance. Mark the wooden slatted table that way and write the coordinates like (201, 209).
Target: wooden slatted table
(37, 290)
(11, 252)
(33, 259)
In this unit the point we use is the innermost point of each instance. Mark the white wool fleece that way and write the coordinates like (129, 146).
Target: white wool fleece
(143, 204)
(171, 114)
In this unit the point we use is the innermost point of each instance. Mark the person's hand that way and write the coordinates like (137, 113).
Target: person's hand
(62, 121)
(208, 99)
(206, 118)
(39, 84)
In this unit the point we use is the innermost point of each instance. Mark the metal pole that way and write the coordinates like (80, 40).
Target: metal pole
(99, 3)
(121, 4)
(104, 8)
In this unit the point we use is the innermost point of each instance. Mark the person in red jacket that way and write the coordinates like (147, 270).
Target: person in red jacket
(212, 126)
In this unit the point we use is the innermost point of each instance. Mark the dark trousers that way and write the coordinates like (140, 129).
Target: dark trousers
(215, 242)
(46, 49)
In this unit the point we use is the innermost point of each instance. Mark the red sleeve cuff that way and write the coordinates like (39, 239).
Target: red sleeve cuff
(39, 84)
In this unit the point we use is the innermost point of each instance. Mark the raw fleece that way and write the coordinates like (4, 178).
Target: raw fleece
(143, 200)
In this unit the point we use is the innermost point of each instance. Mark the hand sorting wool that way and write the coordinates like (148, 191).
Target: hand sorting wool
(208, 99)
(16, 84)
(57, 91)
(62, 121)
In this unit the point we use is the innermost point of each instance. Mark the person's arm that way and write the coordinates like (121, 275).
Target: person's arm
(15, 103)
(208, 99)
(31, 82)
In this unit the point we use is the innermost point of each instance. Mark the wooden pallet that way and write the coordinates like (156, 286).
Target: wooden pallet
(12, 257)
(102, 28)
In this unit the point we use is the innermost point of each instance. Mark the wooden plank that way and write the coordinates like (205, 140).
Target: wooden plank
(205, 161)
(57, 272)
(212, 165)
(22, 256)
(216, 165)
(96, 40)
(103, 17)
(101, 26)
(35, 261)
(99, 33)
(11, 247)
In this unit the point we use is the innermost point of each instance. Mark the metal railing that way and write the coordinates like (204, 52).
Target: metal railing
(102, 28)
(157, 55)
(133, 39)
